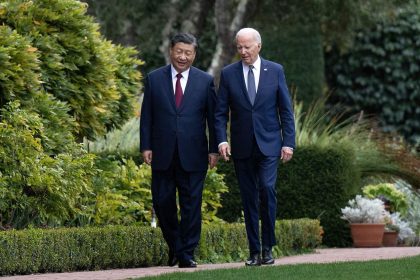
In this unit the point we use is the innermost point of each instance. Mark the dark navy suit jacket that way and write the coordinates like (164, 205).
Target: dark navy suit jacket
(270, 119)
(163, 126)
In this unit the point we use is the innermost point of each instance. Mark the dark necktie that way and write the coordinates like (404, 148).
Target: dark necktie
(252, 92)
(178, 90)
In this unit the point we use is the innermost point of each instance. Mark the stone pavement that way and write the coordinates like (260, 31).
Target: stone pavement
(320, 256)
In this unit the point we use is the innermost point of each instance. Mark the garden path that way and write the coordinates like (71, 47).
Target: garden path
(319, 256)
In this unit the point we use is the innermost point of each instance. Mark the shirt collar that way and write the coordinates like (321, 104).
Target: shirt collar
(256, 64)
(184, 74)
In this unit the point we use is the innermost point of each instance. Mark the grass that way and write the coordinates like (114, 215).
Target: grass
(396, 269)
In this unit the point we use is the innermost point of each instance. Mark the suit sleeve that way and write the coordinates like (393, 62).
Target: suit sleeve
(222, 111)
(211, 105)
(146, 118)
(286, 113)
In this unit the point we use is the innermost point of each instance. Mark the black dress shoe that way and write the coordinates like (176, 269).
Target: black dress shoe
(267, 257)
(254, 260)
(172, 259)
(187, 264)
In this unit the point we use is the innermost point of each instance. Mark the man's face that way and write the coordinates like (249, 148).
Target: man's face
(248, 48)
(182, 56)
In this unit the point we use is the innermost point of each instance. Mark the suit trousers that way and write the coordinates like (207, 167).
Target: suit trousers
(257, 181)
(181, 236)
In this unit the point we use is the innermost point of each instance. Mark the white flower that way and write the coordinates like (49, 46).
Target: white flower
(404, 227)
(364, 210)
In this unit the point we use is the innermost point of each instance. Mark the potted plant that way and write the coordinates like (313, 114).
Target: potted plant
(390, 238)
(396, 230)
(394, 199)
(367, 221)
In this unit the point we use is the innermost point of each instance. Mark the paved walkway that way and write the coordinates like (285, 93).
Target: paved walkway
(320, 256)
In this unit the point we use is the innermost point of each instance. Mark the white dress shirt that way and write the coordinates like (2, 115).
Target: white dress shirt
(183, 80)
(256, 71)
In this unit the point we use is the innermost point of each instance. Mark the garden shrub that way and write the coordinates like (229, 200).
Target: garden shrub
(37, 189)
(121, 194)
(60, 80)
(20, 81)
(98, 80)
(92, 248)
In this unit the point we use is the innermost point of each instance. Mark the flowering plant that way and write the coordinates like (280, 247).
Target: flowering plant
(398, 224)
(365, 210)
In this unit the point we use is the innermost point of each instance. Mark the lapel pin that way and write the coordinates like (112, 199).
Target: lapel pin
(265, 69)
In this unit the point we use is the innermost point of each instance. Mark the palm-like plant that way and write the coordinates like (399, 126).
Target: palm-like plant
(323, 127)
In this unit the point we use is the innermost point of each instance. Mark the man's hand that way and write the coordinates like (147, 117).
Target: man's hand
(213, 158)
(224, 151)
(286, 154)
(147, 156)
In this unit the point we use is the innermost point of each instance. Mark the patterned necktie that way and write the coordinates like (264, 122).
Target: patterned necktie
(252, 92)
(178, 90)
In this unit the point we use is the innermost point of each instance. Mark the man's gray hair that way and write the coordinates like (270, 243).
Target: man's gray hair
(248, 30)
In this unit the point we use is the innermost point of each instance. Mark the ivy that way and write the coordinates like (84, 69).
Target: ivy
(380, 75)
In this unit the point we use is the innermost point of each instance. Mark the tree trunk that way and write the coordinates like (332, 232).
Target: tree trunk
(195, 17)
(226, 26)
(172, 15)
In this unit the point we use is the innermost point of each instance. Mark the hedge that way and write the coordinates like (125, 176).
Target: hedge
(71, 249)
(315, 184)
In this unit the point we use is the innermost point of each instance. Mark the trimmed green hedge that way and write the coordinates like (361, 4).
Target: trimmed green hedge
(71, 249)
(315, 184)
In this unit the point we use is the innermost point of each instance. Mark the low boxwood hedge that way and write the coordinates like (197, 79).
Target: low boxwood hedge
(72, 249)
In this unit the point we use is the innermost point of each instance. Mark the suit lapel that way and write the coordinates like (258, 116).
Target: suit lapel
(240, 77)
(189, 88)
(169, 86)
(263, 79)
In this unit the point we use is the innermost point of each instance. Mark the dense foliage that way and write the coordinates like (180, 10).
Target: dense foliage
(97, 79)
(37, 189)
(380, 75)
(20, 80)
(121, 194)
(59, 81)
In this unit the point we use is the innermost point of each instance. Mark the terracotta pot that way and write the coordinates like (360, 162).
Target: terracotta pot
(367, 235)
(390, 239)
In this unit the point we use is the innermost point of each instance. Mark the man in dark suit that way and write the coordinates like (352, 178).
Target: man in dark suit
(262, 130)
(179, 101)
